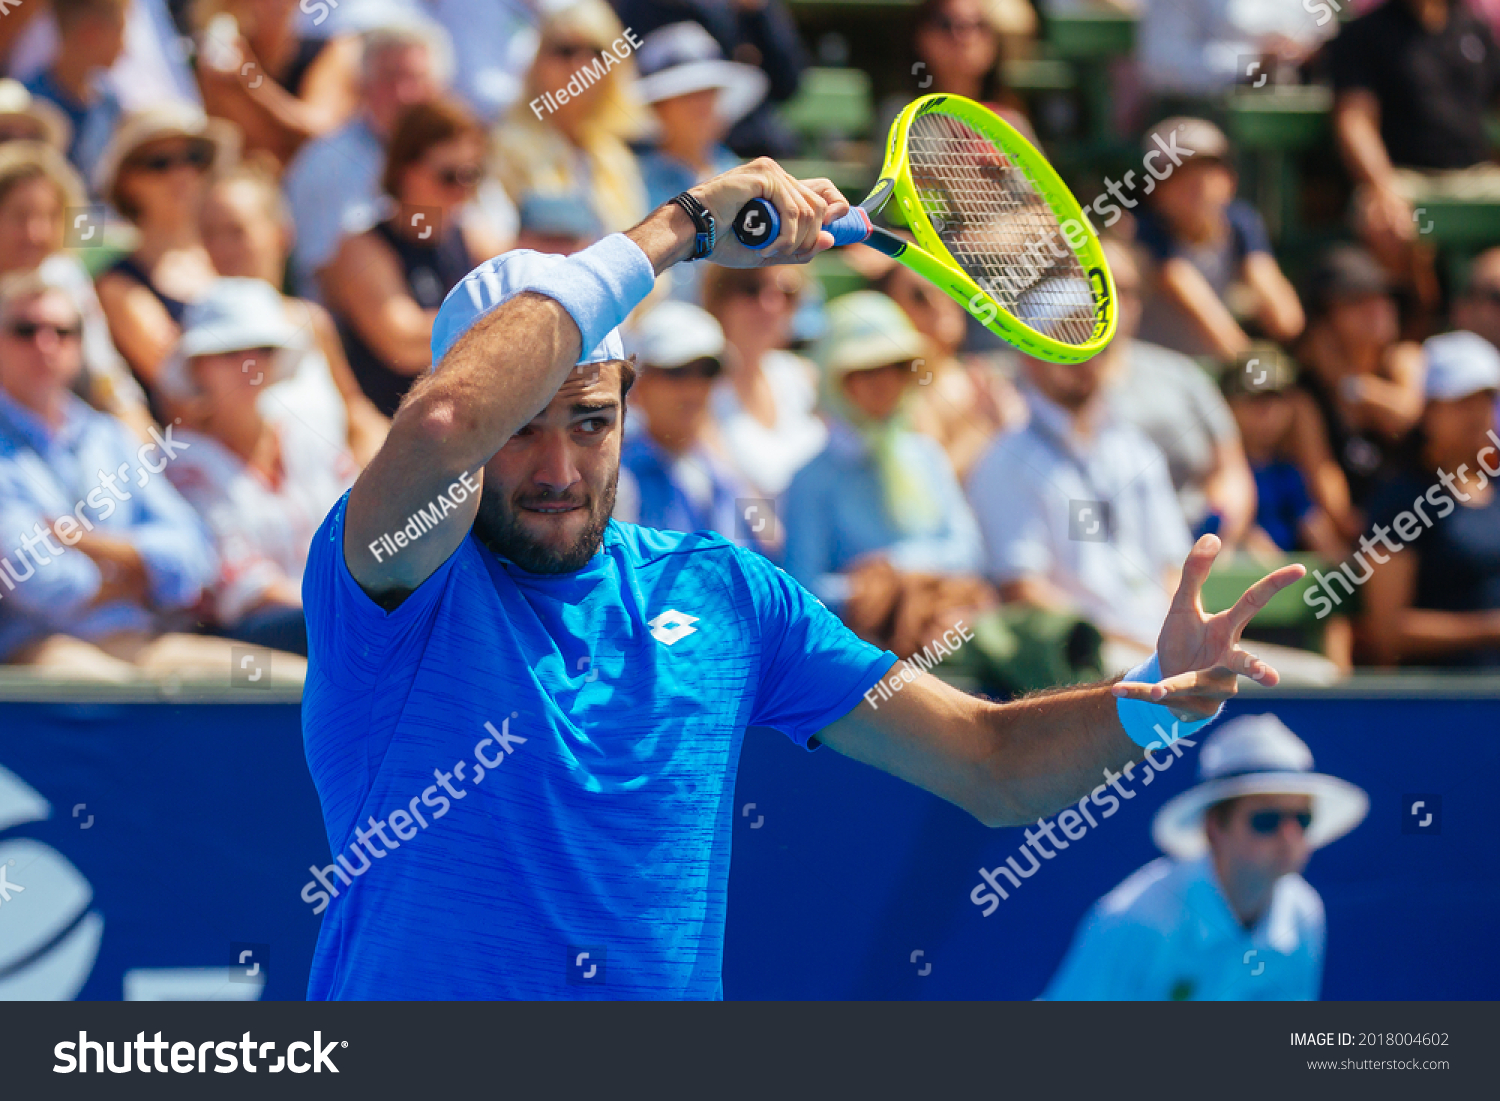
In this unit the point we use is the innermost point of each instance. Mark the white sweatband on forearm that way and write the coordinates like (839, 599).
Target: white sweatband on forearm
(598, 287)
(1152, 725)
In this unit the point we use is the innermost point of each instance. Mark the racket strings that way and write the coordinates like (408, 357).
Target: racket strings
(999, 228)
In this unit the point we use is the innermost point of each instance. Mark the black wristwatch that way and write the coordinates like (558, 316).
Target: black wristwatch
(703, 222)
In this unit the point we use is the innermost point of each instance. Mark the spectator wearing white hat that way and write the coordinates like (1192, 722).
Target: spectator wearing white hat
(879, 489)
(261, 486)
(1436, 601)
(671, 475)
(696, 96)
(1226, 914)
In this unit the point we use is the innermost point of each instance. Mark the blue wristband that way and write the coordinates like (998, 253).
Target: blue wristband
(598, 287)
(1152, 725)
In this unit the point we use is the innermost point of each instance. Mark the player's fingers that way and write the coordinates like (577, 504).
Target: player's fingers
(1195, 571)
(1257, 669)
(1217, 682)
(835, 205)
(810, 207)
(1257, 596)
(1197, 704)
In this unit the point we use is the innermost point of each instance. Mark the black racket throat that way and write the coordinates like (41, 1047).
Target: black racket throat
(882, 240)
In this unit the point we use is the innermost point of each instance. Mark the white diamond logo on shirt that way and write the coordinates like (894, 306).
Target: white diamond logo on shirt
(672, 626)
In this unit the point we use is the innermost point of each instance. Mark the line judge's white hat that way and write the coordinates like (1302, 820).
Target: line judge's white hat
(1256, 755)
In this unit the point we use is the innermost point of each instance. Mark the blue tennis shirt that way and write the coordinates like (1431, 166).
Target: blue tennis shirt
(528, 780)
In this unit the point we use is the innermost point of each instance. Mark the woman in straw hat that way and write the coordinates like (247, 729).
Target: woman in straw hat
(155, 173)
(24, 117)
(1226, 914)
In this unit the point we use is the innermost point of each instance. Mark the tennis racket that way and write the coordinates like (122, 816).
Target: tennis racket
(995, 228)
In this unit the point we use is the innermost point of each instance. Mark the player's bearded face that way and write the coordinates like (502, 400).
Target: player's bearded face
(549, 493)
(515, 523)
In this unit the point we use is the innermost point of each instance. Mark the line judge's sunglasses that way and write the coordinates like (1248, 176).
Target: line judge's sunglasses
(1268, 822)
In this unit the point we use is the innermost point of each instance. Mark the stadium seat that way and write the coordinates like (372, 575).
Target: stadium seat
(1271, 125)
(831, 105)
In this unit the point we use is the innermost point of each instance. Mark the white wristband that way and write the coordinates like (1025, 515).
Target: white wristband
(598, 287)
(1152, 725)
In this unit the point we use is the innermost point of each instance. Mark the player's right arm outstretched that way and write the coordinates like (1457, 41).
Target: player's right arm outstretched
(1009, 764)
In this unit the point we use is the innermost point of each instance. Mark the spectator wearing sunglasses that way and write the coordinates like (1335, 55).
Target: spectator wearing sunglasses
(957, 47)
(385, 285)
(155, 173)
(575, 143)
(671, 474)
(278, 87)
(1226, 914)
(765, 405)
(37, 189)
(101, 560)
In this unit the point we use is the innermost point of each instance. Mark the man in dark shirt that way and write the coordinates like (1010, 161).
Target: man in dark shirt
(1413, 81)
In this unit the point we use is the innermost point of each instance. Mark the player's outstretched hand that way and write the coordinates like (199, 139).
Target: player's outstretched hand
(1200, 655)
(805, 206)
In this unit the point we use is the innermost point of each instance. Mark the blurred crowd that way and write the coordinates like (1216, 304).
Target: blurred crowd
(226, 227)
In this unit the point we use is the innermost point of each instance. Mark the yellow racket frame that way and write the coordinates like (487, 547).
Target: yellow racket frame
(930, 258)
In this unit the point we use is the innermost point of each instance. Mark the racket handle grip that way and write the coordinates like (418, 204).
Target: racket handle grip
(757, 225)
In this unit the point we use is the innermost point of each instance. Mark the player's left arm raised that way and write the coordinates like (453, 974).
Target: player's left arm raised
(1011, 763)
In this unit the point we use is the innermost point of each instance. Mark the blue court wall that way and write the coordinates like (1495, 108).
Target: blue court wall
(202, 822)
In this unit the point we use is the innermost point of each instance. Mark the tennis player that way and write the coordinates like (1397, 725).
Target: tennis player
(524, 719)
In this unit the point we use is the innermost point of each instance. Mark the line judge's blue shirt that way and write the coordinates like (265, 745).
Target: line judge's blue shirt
(606, 830)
